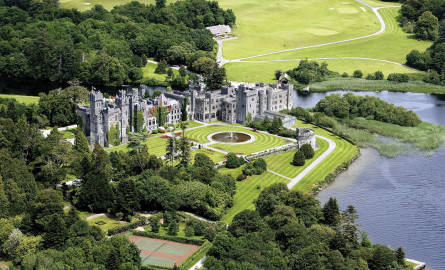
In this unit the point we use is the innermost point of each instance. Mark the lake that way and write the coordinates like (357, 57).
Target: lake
(400, 201)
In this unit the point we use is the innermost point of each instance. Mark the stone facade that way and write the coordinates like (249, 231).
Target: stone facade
(102, 114)
(230, 104)
(306, 136)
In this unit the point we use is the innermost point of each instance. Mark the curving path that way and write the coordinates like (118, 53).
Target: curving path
(331, 148)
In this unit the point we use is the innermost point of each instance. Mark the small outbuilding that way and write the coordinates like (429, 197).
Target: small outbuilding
(220, 30)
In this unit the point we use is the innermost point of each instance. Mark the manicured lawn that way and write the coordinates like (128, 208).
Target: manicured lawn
(343, 152)
(149, 72)
(24, 99)
(214, 156)
(69, 133)
(282, 163)
(262, 141)
(269, 25)
(392, 45)
(247, 191)
(104, 223)
(156, 145)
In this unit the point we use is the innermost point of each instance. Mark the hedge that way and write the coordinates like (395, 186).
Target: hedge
(178, 239)
(154, 267)
(197, 255)
(127, 227)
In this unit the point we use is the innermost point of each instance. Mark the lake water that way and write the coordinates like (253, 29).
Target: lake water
(400, 201)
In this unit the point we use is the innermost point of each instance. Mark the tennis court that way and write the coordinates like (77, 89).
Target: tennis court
(162, 252)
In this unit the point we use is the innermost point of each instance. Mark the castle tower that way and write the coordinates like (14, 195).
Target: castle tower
(269, 98)
(261, 102)
(192, 105)
(123, 103)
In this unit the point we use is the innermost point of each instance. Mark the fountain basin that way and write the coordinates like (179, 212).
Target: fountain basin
(231, 137)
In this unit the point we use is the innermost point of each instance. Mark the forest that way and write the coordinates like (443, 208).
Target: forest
(427, 20)
(290, 230)
(41, 41)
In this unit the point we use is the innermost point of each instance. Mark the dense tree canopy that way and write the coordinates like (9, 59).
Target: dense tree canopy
(369, 107)
(43, 41)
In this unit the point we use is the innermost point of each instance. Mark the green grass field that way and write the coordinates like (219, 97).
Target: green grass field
(214, 156)
(343, 152)
(24, 99)
(104, 223)
(392, 45)
(247, 191)
(280, 25)
(164, 231)
(282, 163)
(156, 145)
(149, 72)
(262, 141)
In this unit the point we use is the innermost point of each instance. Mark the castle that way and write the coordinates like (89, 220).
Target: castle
(231, 104)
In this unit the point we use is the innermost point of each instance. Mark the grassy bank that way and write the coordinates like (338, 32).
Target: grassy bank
(396, 140)
(344, 152)
(355, 84)
(24, 99)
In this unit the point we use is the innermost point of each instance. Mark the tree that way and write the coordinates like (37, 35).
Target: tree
(136, 140)
(427, 26)
(160, 4)
(126, 200)
(171, 148)
(331, 212)
(204, 169)
(173, 227)
(308, 151)
(299, 158)
(184, 146)
(246, 221)
(81, 143)
(162, 66)
(382, 258)
(400, 257)
(48, 205)
(55, 233)
(170, 72)
(357, 74)
(95, 193)
(378, 75)
(113, 260)
(232, 161)
(184, 113)
(278, 73)
(177, 55)
(154, 224)
(215, 78)
(182, 71)
(203, 65)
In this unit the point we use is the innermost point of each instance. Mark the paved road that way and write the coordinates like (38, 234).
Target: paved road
(331, 148)
(198, 264)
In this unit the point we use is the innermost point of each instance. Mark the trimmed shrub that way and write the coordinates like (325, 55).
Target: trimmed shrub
(298, 158)
(308, 151)
(379, 75)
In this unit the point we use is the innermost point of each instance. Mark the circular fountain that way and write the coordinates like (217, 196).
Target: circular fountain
(231, 137)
